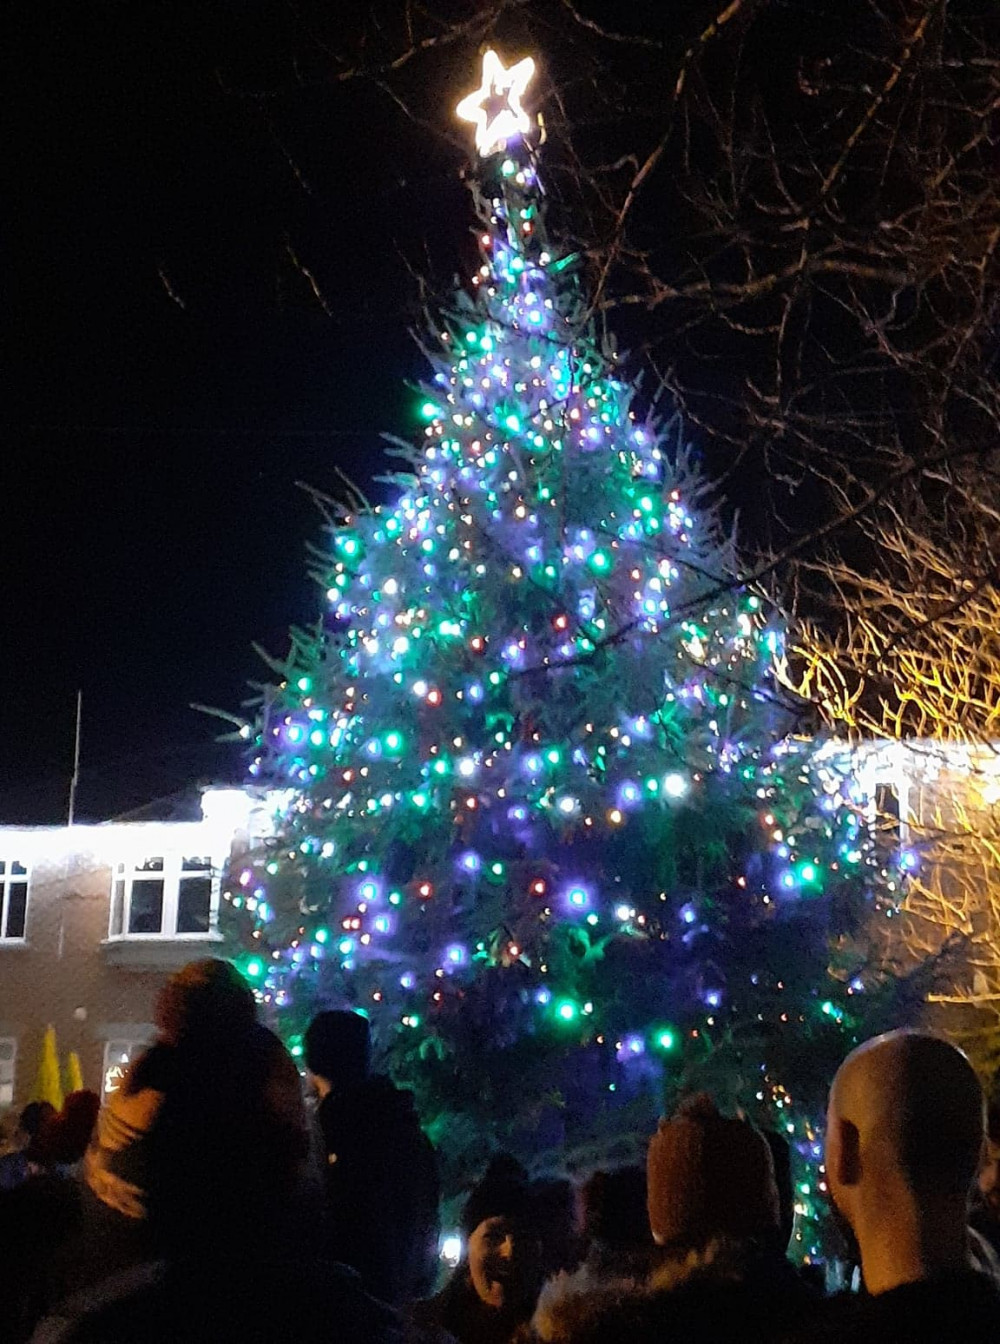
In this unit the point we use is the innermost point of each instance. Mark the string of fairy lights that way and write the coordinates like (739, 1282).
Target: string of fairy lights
(543, 645)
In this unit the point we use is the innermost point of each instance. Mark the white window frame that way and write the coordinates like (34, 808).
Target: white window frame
(8, 1069)
(114, 1050)
(172, 874)
(7, 880)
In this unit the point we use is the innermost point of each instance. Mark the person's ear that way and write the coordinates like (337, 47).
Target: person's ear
(846, 1153)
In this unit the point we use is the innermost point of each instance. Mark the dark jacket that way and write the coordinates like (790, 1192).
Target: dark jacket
(458, 1311)
(984, 1221)
(253, 1296)
(720, 1296)
(959, 1308)
(15, 1169)
(201, 1142)
(381, 1188)
(37, 1220)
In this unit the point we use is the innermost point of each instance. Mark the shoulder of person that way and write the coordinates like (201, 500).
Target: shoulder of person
(152, 1069)
(78, 1319)
(584, 1306)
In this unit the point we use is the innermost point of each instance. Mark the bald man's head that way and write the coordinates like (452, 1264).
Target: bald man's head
(905, 1109)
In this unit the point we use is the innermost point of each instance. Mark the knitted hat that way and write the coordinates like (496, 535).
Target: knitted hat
(503, 1192)
(709, 1177)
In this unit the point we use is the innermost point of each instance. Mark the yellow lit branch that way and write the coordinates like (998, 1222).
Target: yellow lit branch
(912, 678)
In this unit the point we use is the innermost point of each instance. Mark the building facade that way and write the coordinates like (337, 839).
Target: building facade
(93, 918)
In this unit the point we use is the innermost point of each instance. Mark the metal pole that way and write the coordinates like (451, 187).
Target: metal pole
(76, 759)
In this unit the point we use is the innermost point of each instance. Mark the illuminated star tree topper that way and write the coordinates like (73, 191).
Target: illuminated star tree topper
(495, 108)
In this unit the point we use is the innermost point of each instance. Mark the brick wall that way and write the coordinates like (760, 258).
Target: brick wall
(66, 970)
(61, 975)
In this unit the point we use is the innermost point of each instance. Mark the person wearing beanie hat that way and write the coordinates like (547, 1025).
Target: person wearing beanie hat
(709, 1177)
(717, 1272)
(381, 1186)
(503, 1192)
(491, 1295)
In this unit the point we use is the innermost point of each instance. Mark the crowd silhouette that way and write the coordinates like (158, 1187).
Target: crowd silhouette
(207, 1201)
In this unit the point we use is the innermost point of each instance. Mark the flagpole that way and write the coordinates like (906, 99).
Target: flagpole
(76, 760)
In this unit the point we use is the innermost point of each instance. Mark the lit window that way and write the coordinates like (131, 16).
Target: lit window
(13, 898)
(118, 1055)
(8, 1058)
(166, 896)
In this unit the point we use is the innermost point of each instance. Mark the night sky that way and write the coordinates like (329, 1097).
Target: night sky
(216, 246)
(171, 375)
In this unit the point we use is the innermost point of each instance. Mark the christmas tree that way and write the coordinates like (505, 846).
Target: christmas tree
(544, 822)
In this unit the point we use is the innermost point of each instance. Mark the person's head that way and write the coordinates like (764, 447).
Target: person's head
(62, 1138)
(206, 1002)
(503, 1243)
(614, 1209)
(989, 1171)
(709, 1179)
(554, 1203)
(781, 1157)
(31, 1120)
(905, 1130)
(338, 1049)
